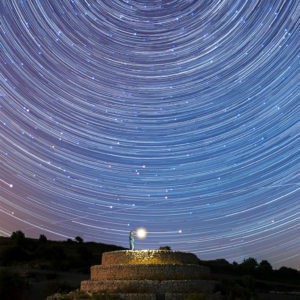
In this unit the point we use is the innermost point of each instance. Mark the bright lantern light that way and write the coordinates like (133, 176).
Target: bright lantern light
(141, 233)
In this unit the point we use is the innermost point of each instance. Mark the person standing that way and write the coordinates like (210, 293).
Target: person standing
(131, 240)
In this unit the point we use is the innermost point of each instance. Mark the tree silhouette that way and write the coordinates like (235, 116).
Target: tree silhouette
(43, 238)
(79, 239)
(248, 266)
(19, 237)
(265, 269)
(288, 274)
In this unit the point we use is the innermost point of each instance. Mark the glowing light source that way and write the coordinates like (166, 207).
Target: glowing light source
(141, 233)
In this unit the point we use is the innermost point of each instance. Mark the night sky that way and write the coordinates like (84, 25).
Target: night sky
(180, 116)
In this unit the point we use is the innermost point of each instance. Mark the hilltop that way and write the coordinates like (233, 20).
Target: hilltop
(32, 269)
(35, 268)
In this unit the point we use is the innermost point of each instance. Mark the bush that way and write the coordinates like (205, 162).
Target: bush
(165, 248)
(57, 253)
(243, 289)
(58, 286)
(288, 275)
(11, 255)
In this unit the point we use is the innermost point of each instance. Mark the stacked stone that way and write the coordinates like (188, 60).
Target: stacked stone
(149, 271)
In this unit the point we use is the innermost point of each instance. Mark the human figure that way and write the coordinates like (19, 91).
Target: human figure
(131, 240)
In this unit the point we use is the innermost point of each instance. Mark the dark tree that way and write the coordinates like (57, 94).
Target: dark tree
(248, 266)
(43, 238)
(79, 239)
(288, 274)
(265, 269)
(221, 265)
(19, 237)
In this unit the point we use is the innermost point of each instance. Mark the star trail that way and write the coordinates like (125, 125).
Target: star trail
(178, 116)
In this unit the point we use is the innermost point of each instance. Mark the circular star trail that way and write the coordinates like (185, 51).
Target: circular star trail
(178, 116)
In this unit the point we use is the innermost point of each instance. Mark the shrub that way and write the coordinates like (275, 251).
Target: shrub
(165, 248)
(243, 289)
(11, 255)
(59, 286)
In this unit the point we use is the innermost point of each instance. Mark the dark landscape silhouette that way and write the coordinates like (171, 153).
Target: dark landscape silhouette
(32, 269)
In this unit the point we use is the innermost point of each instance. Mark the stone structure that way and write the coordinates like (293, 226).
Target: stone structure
(149, 272)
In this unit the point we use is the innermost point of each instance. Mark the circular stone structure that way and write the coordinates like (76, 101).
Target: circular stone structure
(149, 271)
(148, 286)
(129, 257)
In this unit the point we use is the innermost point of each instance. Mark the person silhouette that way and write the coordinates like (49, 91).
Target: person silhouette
(131, 240)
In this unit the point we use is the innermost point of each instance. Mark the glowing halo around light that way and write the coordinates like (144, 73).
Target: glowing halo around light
(141, 233)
